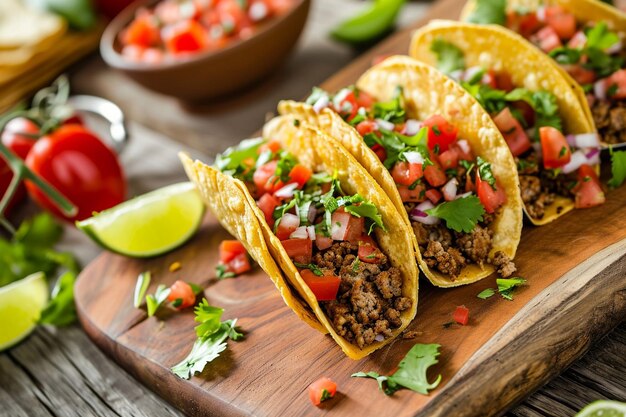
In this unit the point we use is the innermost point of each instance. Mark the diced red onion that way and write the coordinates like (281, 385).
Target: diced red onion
(537, 148)
(615, 48)
(287, 191)
(541, 13)
(593, 157)
(571, 140)
(449, 190)
(290, 220)
(379, 337)
(599, 89)
(414, 157)
(299, 233)
(312, 213)
(464, 145)
(340, 221)
(578, 158)
(385, 125)
(586, 140)
(411, 127)
(457, 75)
(419, 213)
(321, 103)
(467, 194)
(257, 11)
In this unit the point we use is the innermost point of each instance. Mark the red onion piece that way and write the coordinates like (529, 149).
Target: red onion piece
(286, 191)
(593, 157)
(449, 190)
(599, 89)
(299, 233)
(310, 230)
(578, 158)
(419, 213)
(312, 213)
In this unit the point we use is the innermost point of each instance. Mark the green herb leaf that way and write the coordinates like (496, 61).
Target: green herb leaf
(231, 161)
(370, 212)
(42, 231)
(222, 272)
(60, 310)
(599, 36)
(209, 318)
(461, 215)
(143, 282)
(489, 11)
(392, 110)
(314, 268)
(486, 293)
(618, 168)
(485, 173)
(197, 290)
(449, 56)
(507, 285)
(153, 302)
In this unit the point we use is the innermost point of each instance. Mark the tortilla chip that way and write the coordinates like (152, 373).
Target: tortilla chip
(21, 26)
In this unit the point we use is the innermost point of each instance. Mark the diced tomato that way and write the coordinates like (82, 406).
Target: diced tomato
(185, 36)
(449, 159)
(264, 178)
(527, 111)
(182, 291)
(300, 175)
(547, 39)
(273, 146)
(229, 249)
(415, 195)
(239, 264)
(267, 203)
(440, 132)
(323, 242)
(279, 6)
(588, 191)
(490, 199)
(399, 127)
(141, 32)
(339, 224)
(287, 225)
(581, 74)
(504, 81)
(365, 240)
(461, 315)
(578, 41)
(618, 79)
(133, 52)
(585, 171)
(300, 250)
(380, 152)
(348, 106)
(435, 175)
(364, 100)
(356, 226)
(406, 173)
(528, 24)
(366, 126)
(324, 288)
(370, 254)
(464, 154)
(563, 23)
(433, 195)
(489, 78)
(554, 147)
(512, 131)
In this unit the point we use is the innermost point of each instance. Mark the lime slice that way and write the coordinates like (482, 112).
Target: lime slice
(604, 408)
(21, 303)
(148, 225)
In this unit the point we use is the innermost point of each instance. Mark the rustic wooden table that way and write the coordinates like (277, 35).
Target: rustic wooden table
(59, 372)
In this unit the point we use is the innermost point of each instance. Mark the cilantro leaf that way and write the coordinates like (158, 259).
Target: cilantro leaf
(485, 173)
(489, 11)
(507, 285)
(231, 162)
(600, 37)
(208, 317)
(284, 166)
(222, 272)
(486, 293)
(461, 215)
(411, 371)
(449, 56)
(392, 110)
(42, 231)
(153, 302)
(369, 211)
(618, 168)
(143, 282)
(314, 268)
(60, 310)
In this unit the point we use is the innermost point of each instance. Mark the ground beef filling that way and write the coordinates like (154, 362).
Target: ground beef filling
(539, 187)
(610, 119)
(447, 251)
(369, 301)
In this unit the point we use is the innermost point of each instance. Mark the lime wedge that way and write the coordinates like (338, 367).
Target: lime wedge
(604, 408)
(21, 303)
(148, 225)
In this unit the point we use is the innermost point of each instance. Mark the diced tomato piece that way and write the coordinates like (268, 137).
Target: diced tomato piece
(268, 203)
(465, 154)
(239, 264)
(264, 178)
(440, 132)
(528, 24)
(527, 111)
(182, 291)
(435, 175)
(578, 41)
(513, 133)
(617, 79)
(324, 288)
(279, 6)
(433, 195)
(415, 195)
(489, 78)
(339, 224)
(141, 32)
(490, 199)
(585, 171)
(300, 175)
(364, 100)
(370, 254)
(287, 225)
(323, 242)
(547, 39)
(348, 107)
(380, 152)
(461, 315)
(588, 191)
(504, 81)
(229, 249)
(555, 149)
(300, 250)
(356, 227)
(563, 23)
(365, 240)
(449, 159)
(185, 36)
(406, 173)
(581, 74)
(273, 146)
(366, 126)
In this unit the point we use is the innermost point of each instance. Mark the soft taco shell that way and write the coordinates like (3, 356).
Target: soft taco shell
(226, 198)
(495, 47)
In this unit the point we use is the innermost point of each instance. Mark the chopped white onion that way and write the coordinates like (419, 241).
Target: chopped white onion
(312, 213)
(257, 11)
(578, 158)
(599, 89)
(340, 221)
(379, 337)
(615, 48)
(541, 13)
(321, 103)
(385, 125)
(471, 72)
(464, 145)
(586, 140)
(411, 127)
(299, 233)
(449, 190)
(340, 96)
(467, 194)
(310, 230)
(571, 140)
(290, 221)
(286, 191)
(414, 157)
(419, 213)
(457, 75)
(593, 157)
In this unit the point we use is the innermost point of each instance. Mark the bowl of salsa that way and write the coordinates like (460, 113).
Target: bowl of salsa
(201, 49)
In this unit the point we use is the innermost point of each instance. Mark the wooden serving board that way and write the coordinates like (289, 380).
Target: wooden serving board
(576, 271)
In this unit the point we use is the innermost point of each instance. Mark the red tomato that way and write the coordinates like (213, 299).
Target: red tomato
(324, 288)
(618, 79)
(435, 175)
(348, 107)
(513, 132)
(366, 126)
(323, 242)
(489, 78)
(490, 199)
(415, 195)
(504, 82)
(365, 240)
(461, 315)
(239, 264)
(279, 6)
(578, 41)
(554, 147)
(433, 195)
(300, 175)
(267, 203)
(300, 250)
(464, 155)
(380, 152)
(364, 100)
(406, 173)
(588, 191)
(185, 36)
(272, 145)
(322, 390)
(79, 166)
(287, 225)
(370, 254)
(449, 158)
(141, 32)
(356, 226)
(19, 135)
(547, 39)
(182, 291)
(581, 74)
(229, 249)
(528, 24)
(440, 132)
(527, 111)
(264, 178)
(6, 175)
(563, 23)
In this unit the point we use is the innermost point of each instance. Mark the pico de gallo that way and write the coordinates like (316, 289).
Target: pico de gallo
(591, 52)
(174, 28)
(328, 235)
(450, 195)
(549, 163)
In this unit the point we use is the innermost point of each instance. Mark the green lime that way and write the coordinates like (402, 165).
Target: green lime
(21, 303)
(604, 408)
(148, 225)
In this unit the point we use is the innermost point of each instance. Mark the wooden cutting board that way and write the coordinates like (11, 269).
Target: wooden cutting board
(576, 271)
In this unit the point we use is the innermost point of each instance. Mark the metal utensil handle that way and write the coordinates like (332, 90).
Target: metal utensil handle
(108, 111)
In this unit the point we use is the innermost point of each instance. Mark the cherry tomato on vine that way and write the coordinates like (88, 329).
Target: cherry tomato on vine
(19, 135)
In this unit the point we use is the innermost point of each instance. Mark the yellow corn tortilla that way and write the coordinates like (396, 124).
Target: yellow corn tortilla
(494, 47)
(428, 92)
(320, 153)
(21, 26)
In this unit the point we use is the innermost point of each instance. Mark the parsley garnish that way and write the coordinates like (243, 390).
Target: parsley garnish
(485, 172)
(507, 285)
(486, 293)
(618, 168)
(325, 395)
(153, 302)
(392, 110)
(489, 11)
(461, 215)
(411, 371)
(231, 162)
(222, 272)
(449, 56)
(285, 164)
(314, 268)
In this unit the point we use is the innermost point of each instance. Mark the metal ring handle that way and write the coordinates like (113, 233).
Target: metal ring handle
(108, 111)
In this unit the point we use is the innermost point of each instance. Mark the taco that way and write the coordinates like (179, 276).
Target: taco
(533, 105)
(439, 157)
(585, 37)
(345, 252)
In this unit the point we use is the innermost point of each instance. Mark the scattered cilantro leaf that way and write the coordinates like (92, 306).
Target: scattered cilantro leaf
(143, 282)
(222, 272)
(314, 268)
(208, 317)
(370, 212)
(60, 310)
(42, 231)
(461, 215)
(392, 110)
(485, 173)
(489, 11)
(486, 293)
(618, 168)
(599, 36)
(449, 56)
(506, 286)
(231, 162)
(153, 302)
(286, 162)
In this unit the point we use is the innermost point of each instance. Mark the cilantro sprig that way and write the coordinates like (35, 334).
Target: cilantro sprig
(460, 215)
(450, 57)
(411, 373)
(618, 168)
(506, 287)
(489, 11)
(231, 162)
